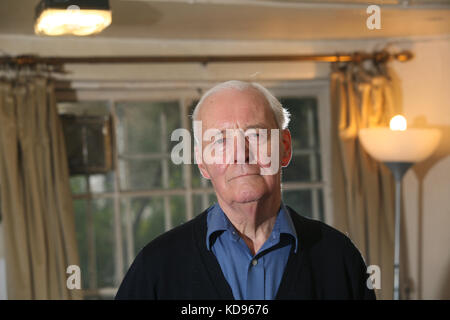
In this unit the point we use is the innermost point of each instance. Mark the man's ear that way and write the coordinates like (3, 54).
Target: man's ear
(286, 147)
(201, 166)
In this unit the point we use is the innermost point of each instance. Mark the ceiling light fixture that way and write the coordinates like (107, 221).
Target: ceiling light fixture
(72, 17)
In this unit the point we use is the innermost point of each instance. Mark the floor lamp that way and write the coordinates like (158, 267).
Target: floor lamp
(399, 148)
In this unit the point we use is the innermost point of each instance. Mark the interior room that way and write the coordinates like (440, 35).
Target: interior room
(87, 113)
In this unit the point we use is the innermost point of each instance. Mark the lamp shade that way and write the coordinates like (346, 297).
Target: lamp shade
(412, 145)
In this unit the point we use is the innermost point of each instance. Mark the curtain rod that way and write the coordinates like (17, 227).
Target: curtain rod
(30, 60)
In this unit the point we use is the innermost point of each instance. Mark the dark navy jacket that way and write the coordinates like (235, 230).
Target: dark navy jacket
(177, 265)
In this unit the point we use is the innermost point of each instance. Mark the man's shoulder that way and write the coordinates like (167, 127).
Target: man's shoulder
(336, 264)
(317, 234)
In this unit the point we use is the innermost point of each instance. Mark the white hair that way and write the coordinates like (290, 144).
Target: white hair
(282, 116)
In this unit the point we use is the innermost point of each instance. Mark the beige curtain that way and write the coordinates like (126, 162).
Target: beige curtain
(37, 211)
(363, 189)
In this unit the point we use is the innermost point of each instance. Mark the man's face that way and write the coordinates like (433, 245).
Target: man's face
(242, 182)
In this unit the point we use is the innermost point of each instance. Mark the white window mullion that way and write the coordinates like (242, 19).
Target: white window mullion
(313, 164)
(129, 231)
(129, 236)
(165, 172)
(119, 260)
(323, 104)
(187, 172)
(92, 257)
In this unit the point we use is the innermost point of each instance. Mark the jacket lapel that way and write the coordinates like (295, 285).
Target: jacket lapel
(209, 261)
(298, 277)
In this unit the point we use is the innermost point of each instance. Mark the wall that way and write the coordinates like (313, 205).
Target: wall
(426, 102)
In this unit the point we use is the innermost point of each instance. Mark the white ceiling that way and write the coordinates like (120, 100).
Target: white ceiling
(251, 19)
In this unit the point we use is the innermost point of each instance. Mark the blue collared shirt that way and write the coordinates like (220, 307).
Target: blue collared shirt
(251, 277)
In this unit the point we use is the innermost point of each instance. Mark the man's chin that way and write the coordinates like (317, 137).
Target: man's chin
(247, 195)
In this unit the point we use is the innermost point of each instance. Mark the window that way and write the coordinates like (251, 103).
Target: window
(118, 213)
(299, 190)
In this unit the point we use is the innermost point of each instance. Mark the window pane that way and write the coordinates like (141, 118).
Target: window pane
(176, 179)
(304, 122)
(103, 219)
(308, 203)
(297, 170)
(316, 170)
(138, 174)
(321, 206)
(178, 210)
(78, 184)
(199, 205)
(303, 168)
(197, 179)
(101, 182)
(146, 218)
(144, 125)
(202, 202)
(143, 133)
(299, 200)
(305, 162)
(94, 225)
(81, 227)
(212, 198)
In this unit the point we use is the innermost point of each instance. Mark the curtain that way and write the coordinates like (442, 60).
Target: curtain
(363, 189)
(37, 212)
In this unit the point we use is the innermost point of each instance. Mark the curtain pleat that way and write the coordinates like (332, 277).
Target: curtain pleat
(40, 240)
(363, 189)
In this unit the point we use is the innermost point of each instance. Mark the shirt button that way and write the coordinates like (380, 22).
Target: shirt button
(254, 262)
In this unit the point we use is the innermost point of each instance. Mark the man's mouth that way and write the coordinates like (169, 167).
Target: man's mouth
(244, 175)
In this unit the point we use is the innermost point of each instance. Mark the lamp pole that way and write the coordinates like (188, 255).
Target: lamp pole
(399, 149)
(398, 169)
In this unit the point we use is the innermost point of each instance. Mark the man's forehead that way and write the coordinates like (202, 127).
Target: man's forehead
(223, 112)
(223, 127)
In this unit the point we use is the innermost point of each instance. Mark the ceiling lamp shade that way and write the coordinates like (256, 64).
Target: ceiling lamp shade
(71, 17)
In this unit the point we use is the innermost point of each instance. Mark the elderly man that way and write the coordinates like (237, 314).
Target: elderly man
(249, 245)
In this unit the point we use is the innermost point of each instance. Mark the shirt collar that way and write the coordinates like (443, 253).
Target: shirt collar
(284, 224)
(218, 221)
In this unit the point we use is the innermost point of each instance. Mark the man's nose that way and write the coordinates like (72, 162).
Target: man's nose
(239, 140)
